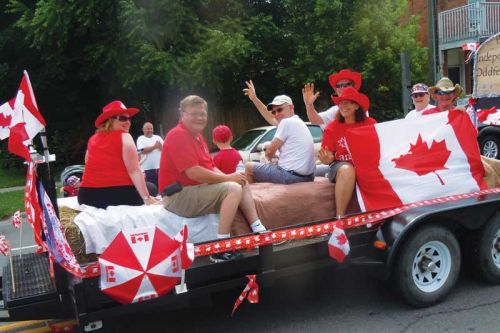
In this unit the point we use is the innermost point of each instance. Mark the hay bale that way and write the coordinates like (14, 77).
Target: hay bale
(74, 235)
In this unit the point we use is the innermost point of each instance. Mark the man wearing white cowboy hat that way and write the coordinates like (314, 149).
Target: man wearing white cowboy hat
(338, 81)
(293, 140)
(445, 93)
(421, 98)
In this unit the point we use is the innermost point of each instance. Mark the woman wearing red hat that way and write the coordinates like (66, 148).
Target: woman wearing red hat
(112, 174)
(352, 113)
(338, 81)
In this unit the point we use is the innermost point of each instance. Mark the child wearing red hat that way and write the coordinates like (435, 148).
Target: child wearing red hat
(227, 159)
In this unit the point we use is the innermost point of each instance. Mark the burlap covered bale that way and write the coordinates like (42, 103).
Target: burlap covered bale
(492, 171)
(74, 236)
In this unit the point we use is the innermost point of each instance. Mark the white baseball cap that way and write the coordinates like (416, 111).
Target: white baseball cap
(280, 100)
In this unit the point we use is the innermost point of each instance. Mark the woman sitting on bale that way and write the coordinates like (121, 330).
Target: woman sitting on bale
(352, 113)
(112, 174)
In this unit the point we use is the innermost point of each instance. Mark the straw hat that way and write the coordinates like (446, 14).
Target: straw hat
(446, 85)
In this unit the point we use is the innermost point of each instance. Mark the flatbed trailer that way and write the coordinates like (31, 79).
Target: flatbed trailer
(419, 251)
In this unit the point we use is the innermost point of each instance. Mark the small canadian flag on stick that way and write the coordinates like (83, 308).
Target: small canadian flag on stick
(338, 245)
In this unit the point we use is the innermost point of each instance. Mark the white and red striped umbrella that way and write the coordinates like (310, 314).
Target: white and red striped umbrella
(140, 264)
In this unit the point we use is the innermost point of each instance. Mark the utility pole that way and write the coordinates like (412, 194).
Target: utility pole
(405, 82)
(431, 40)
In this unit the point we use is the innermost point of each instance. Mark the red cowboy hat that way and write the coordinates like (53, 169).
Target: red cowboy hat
(345, 74)
(113, 109)
(351, 94)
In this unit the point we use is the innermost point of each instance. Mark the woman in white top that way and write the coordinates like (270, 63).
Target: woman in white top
(421, 98)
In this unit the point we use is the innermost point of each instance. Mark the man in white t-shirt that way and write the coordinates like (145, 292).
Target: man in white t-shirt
(421, 98)
(149, 146)
(338, 81)
(293, 140)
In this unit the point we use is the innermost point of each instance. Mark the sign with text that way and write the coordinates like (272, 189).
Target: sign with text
(487, 68)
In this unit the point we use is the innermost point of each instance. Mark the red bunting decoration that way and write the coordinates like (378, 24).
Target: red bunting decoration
(250, 292)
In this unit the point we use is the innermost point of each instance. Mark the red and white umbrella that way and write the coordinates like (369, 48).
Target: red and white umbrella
(140, 264)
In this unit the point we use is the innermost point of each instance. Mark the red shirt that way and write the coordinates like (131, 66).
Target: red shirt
(431, 111)
(181, 151)
(105, 166)
(434, 110)
(226, 160)
(334, 138)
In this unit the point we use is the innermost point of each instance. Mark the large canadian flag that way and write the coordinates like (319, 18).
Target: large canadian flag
(25, 119)
(405, 161)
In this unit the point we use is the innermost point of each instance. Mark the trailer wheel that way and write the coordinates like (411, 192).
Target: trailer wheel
(486, 260)
(427, 266)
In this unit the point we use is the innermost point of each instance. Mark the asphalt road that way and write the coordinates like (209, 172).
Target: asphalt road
(331, 301)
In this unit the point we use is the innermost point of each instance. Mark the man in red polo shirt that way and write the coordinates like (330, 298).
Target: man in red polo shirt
(185, 159)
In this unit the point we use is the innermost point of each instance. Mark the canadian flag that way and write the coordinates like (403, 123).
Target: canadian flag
(338, 245)
(489, 116)
(6, 111)
(470, 46)
(413, 160)
(25, 119)
(187, 249)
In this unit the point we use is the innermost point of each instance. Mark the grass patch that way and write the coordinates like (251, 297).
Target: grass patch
(10, 202)
(12, 177)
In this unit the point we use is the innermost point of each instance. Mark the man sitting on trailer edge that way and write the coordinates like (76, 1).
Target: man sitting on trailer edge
(185, 160)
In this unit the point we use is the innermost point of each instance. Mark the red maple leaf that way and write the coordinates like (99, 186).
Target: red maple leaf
(423, 160)
(341, 239)
(5, 121)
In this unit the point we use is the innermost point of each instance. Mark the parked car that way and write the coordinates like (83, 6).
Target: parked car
(250, 143)
(489, 140)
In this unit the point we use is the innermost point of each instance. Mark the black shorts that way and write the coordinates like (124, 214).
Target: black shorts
(102, 197)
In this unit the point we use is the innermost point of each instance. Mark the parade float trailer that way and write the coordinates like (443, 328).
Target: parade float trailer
(418, 246)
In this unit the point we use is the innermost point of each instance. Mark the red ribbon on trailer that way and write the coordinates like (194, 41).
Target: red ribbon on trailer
(250, 292)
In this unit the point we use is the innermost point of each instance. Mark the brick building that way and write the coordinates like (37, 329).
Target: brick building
(456, 23)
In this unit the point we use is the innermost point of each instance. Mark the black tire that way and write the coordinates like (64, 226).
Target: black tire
(427, 266)
(486, 252)
(490, 146)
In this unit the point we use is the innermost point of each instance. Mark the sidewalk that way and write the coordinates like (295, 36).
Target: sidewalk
(10, 189)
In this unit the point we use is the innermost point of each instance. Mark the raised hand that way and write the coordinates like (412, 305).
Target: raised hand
(325, 156)
(309, 95)
(250, 90)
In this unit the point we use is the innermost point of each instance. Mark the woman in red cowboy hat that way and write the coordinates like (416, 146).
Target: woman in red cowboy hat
(112, 174)
(352, 113)
(338, 81)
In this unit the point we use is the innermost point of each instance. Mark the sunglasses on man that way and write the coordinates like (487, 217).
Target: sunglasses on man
(418, 95)
(275, 111)
(442, 92)
(122, 118)
(343, 85)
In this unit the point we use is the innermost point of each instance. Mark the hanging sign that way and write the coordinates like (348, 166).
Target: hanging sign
(487, 68)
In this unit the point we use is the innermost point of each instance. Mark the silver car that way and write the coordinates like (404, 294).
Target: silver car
(250, 144)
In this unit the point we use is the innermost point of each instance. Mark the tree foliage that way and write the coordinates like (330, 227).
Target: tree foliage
(82, 54)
